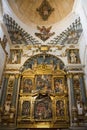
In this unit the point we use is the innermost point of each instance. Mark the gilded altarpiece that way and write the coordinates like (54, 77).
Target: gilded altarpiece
(43, 98)
(44, 93)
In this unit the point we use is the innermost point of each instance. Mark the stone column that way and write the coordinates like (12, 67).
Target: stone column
(69, 96)
(14, 95)
(4, 90)
(82, 87)
(73, 112)
(73, 103)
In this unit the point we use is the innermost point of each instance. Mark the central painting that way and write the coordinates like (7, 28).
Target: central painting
(43, 82)
(43, 108)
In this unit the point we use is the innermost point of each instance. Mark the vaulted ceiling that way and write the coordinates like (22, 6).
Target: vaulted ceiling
(26, 11)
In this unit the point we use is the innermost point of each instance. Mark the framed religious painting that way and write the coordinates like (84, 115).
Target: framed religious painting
(61, 108)
(59, 85)
(27, 85)
(43, 108)
(25, 108)
(43, 82)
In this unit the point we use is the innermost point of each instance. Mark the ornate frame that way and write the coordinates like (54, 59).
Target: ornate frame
(42, 122)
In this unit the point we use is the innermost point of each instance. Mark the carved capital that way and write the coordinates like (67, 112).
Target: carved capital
(80, 75)
(7, 75)
(70, 75)
(17, 76)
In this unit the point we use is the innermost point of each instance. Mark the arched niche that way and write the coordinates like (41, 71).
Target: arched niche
(46, 59)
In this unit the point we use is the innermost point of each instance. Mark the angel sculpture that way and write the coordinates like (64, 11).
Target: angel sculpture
(44, 33)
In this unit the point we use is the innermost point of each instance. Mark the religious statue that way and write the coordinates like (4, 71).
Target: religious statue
(35, 64)
(14, 58)
(3, 41)
(58, 66)
(52, 64)
(79, 107)
(7, 108)
(73, 57)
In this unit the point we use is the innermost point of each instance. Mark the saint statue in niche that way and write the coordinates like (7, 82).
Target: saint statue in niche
(80, 108)
(73, 57)
(80, 105)
(35, 63)
(15, 57)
